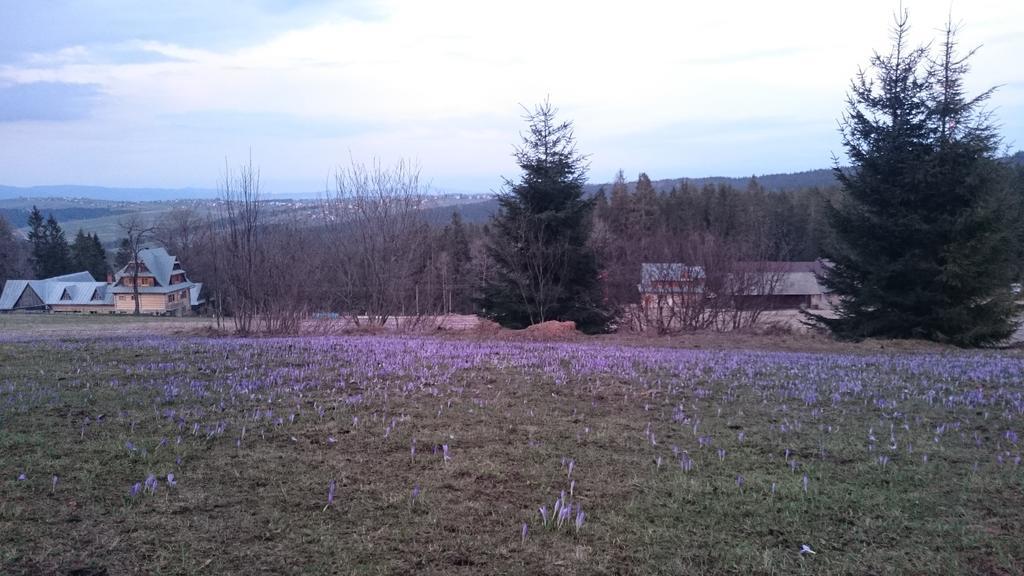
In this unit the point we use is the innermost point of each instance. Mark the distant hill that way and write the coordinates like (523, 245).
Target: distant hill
(97, 207)
(821, 178)
(18, 217)
(103, 193)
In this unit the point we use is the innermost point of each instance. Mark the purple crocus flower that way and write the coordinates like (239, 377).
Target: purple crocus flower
(330, 493)
(524, 532)
(135, 489)
(580, 517)
(22, 477)
(805, 482)
(53, 486)
(444, 450)
(170, 480)
(415, 491)
(543, 514)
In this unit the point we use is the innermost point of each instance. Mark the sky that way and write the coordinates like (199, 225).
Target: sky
(166, 94)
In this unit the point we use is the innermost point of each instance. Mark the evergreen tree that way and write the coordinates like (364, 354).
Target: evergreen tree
(87, 254)
(37, 240)
(50, 253)
(455, 244)
(123, 255)
(58, 253)
(601, 204)
(924, 246)
(644, 206)
(13, 262)
(544, 267)
(618, 205)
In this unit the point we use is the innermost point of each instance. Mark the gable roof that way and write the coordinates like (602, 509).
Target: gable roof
(794, 278)
(158, 263)
(78, 288)
(12, 292)
(671, 278)
(194, 293)
(160, 266)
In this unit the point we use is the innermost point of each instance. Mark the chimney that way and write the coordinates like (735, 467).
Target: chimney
(110, 278)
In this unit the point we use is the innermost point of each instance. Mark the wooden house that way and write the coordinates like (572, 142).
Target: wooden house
(163, 287)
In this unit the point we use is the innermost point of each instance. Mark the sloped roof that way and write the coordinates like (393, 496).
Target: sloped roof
(813, 266)
(791, 284)
(79, 289)
(794, 278)
(73, 277)
(79, 293)
(157, 261)
(194, 292)
(683, 278)
(670, 271)
(12, 291)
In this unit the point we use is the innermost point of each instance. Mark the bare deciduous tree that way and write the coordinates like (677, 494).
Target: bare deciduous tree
(239, 250)
(137, 232)
(378, 241)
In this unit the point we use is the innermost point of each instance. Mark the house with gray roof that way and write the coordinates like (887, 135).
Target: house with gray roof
(766, 285)
(162, 288)
(78, 292)
(157, 281)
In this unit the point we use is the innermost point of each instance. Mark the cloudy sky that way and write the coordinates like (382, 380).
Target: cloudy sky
(158, 94)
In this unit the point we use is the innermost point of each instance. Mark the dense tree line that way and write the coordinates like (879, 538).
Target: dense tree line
(715, 227)
(47, 252)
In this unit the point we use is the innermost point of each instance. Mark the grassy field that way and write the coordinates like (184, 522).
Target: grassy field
(398, 455)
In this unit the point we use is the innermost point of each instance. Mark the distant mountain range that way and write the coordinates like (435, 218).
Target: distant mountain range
(73, 203)
(111, 194)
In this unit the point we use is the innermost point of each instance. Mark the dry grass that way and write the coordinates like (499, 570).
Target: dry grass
(252, 481)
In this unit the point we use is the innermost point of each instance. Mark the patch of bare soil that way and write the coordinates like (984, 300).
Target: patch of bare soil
(552, 329)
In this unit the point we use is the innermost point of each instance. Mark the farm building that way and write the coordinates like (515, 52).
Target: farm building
(784, 285)
(671, 284)
(78, 292)
(162, 286)
(769, 285)
(163, 289)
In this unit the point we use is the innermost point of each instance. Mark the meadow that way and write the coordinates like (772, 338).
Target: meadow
(172, 454)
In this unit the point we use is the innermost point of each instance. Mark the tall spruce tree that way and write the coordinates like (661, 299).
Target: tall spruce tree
(58, 252)
(924, 246)
(87, 254)
(538, 240)
(123, 255)
(37, 241)
(455, 244)
(50, 253)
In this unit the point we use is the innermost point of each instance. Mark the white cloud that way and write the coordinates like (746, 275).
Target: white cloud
(441, 81)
